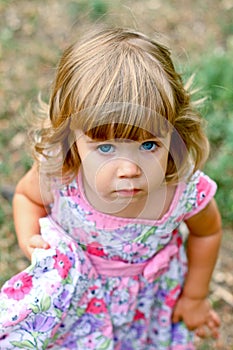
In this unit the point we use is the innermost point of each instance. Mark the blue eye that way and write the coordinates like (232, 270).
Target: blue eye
(106, 148)
(148, 146)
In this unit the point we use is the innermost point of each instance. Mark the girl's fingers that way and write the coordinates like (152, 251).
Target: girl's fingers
(214, 318)
(201, 332)
(214, 323)
(210, 328)
(176, 317)
(205, 332)
(37, 241)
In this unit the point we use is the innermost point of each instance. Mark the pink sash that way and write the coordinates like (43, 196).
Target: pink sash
(150, 269)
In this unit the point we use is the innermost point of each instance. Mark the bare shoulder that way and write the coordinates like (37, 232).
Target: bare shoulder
(206, 222)
(35, 186)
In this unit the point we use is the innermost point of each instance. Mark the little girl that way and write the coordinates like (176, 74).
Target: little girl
(99, 213)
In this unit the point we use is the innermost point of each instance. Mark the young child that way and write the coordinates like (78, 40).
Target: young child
(99, 213)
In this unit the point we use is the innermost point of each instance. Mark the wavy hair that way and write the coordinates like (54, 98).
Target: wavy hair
(119, 82)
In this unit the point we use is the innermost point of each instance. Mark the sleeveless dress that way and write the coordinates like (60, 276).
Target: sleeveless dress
(106, 283)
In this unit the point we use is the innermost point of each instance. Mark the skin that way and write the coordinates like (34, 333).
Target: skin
(123, 178)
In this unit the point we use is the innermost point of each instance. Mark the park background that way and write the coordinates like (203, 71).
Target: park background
(200, 35)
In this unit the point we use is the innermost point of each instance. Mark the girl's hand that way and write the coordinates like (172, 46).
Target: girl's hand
(35, 241)
(198, 316)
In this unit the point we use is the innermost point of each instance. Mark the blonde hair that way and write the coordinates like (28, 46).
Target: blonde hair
(122, 82)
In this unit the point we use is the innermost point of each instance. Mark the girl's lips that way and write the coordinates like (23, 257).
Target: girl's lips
(128, 193)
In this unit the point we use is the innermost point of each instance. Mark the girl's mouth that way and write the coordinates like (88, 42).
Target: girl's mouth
(128, 192)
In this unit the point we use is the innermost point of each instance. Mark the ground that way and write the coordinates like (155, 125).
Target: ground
(32, 35)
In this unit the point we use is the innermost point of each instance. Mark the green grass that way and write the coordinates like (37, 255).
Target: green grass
(94, 8)
(215, 76)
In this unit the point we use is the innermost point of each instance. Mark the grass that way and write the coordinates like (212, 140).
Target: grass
(216, 78)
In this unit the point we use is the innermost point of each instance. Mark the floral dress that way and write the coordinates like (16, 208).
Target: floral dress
(106, 283)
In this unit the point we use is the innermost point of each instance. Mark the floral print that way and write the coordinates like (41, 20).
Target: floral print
(106, 283)
(62, 264)
(18, 286)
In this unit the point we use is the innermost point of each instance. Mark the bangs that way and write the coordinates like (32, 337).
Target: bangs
(119, 131)
(121, 121)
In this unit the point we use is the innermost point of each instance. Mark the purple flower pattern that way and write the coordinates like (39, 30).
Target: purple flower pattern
(63, 302)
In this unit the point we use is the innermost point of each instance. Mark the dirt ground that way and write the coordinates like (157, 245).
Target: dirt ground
(32, 35)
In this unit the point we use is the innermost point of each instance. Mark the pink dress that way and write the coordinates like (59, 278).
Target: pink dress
(106, 282)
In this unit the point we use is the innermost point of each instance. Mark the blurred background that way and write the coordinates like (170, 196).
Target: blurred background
(200, 34)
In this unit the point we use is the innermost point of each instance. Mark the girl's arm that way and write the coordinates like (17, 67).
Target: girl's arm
(28, 207)
(202, 251)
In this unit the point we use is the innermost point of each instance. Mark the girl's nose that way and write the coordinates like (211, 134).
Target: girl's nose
(128, 169)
